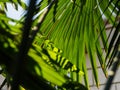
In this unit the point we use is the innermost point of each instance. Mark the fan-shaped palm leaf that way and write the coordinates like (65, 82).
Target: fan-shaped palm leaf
(79, 25)
(76, 27)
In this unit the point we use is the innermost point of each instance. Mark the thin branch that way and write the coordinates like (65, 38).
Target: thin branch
(23, 50)
(27, 41)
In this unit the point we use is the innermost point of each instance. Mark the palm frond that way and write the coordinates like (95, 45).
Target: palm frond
(79, 26)
(36, 67)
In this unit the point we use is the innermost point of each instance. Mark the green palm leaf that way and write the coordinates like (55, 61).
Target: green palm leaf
(73, 30)
(77, 28)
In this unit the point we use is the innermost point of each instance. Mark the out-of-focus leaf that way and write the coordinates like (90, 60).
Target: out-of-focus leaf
(4, 0)
(74, 26)
(46, 71)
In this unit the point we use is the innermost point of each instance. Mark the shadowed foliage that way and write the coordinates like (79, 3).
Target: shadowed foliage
(46, 49)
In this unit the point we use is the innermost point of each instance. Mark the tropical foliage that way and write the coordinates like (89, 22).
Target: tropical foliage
(46, 49)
